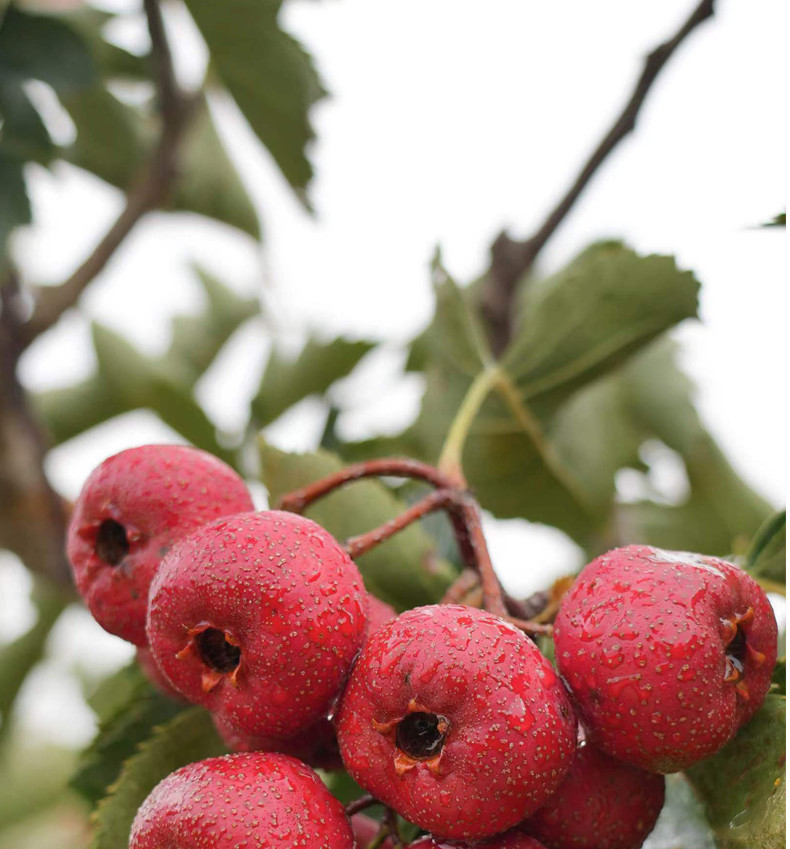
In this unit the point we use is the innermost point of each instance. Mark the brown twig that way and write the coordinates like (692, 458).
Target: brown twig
(150, 189)
(511, 259)
(34, 517)
(361, 804)
(391, 818)
(438, 500)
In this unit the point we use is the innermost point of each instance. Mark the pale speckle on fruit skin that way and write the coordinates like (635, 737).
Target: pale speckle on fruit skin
(159, 493)
(512, 839)
(603, 803)
(639, 641)
(512, 729)
(254, 576)
(247, 801)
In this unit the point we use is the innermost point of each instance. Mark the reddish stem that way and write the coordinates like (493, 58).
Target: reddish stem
(361, 804)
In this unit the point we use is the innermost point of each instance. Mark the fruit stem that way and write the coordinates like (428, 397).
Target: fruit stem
(451, 457)
(391, 819)
(399, 467)
(439, 499)
(366, 801)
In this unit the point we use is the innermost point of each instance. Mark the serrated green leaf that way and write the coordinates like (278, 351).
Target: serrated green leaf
(270, 76)
(681, 824)
(14, 202)
(405, 571)
(577, 324)
(42, 47)
(187, 738)
(125, 726)
(767, 557)
(743, 786)
(318, 366)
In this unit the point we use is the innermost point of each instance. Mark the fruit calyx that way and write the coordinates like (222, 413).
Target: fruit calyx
(419, 738)
(739, 652)
(219, 651)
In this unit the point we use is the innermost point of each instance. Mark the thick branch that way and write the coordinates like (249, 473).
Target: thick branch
(511, 259)
(149, 191)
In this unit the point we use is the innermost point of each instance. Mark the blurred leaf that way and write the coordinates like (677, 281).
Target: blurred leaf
(14, 202)
(269, 75)
(114, 140)
(777, 221)
(767, 557)
(120, 733)
(681, 824)
(197, 339)
(42, 47)
(33, 778)
(113, 62)
(405, 571)
(18, 657)
(577, 324)
(187, 738)
(743, 786)
(210, 184)
(779, 677)
(318, 366)
(22, 132)
(139, 382)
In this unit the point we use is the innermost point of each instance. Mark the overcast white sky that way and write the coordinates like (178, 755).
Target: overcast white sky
(448, 121)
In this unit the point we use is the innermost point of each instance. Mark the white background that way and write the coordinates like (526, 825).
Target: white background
(448, 121)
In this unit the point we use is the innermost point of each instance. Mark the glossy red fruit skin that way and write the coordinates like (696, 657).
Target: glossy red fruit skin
(158, 493)
(249, 801)
(365, 830)
(603, 803)
(379, 613)
(511, 728)
(512, 839)
(280, 589)
(154, 674)
(642, 640)
(316, 746)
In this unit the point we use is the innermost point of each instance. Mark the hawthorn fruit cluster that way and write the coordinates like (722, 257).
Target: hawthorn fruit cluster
(447, 715)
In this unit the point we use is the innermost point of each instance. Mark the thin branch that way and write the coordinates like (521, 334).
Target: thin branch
(361, 804)
(510, 259)
(150, 189)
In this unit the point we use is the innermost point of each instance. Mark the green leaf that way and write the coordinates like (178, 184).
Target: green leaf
(318, 366)
(121, 731)
(743, 786)
(17, 658)
(405, 571)
(14, 202)
(114, 140)
(271, 78)
(139, 382)
(113, 62)
(210, 184)
(197, 339)
(777, 221)
(23, 134)
(767, 557)
(681, 824)
(41, 47)
(187, 738)
(606, 304)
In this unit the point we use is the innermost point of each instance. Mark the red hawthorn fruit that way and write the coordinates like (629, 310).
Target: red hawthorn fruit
(365, 830)
(131, 511)
(667, 654)
(603, 803)
(248, 801)
(258, 617)
(379, 613)
(316, 746)
(452, 717)
(154, 674)
(509, 840)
